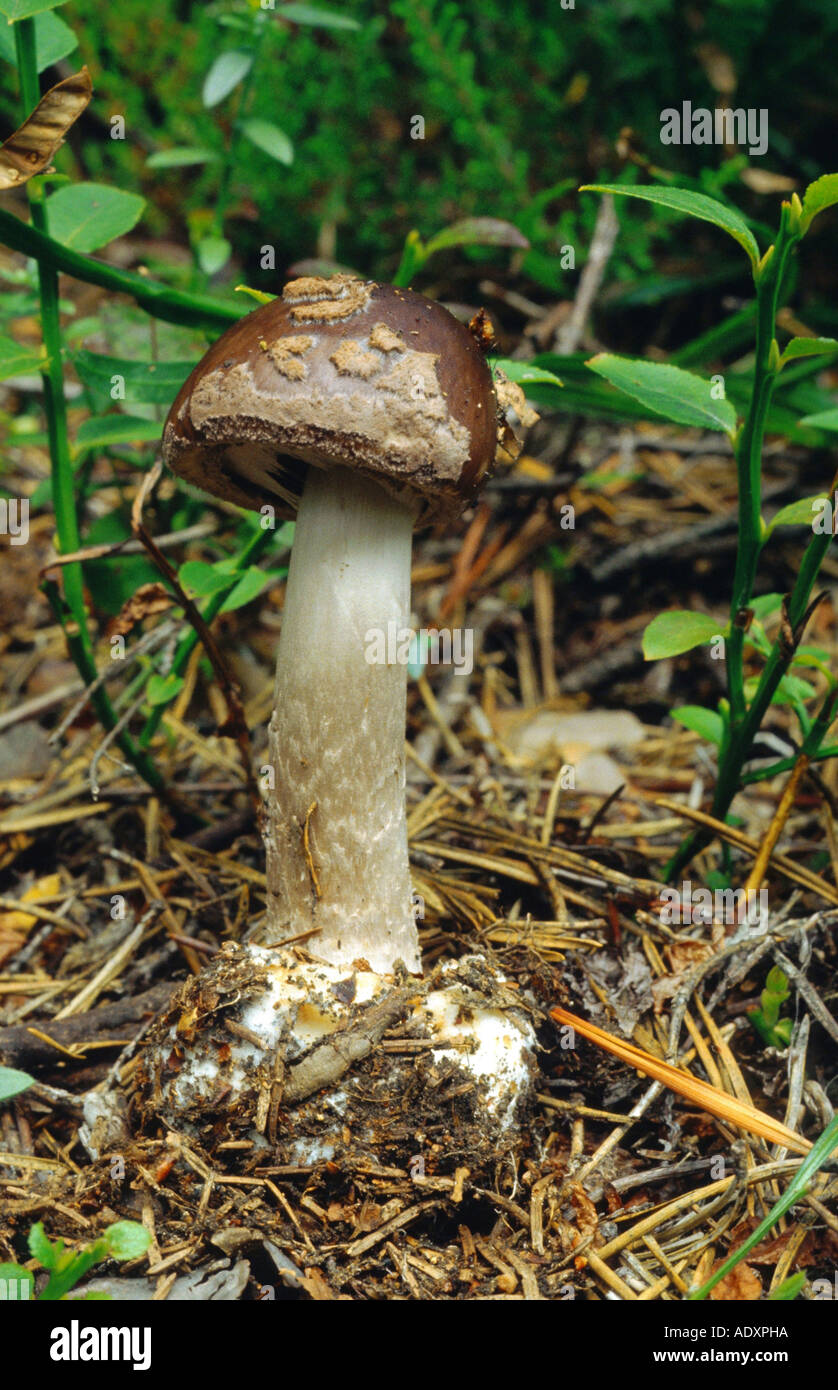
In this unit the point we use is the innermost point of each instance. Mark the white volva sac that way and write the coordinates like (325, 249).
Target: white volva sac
(300, 1006)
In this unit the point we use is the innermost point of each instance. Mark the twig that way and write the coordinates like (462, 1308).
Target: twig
(602, 244)
(19, 1046)
(694, 976)
(235, 726)
(807, 992)
(129, 547)
(41, 704)
(143, 645)
(112, 734)
(775, 829)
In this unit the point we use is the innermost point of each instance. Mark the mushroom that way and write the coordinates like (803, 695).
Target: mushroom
(362, 409)
(359, 408)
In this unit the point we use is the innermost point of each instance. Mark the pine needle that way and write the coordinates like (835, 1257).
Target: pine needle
(709, 1098)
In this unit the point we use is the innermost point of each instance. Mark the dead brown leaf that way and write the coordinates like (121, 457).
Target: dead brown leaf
(30, 148)
(148, 600)
(682, 956)
(587, 1221)
(741, 1285)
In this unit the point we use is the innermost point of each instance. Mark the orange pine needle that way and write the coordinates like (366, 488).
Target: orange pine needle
(709, 1098)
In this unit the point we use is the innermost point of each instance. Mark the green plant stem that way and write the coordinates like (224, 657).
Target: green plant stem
(255, 546)
(744, 720)
(749, 472)
(61, 464)
(739, 747)
(786, 764)
(172, 306)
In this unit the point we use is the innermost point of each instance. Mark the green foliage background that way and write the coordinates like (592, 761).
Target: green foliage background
(519, 99)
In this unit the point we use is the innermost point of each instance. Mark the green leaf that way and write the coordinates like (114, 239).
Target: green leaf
(782, 1032)
(213, 253)
(127, 1239)
(85, 216)
(677, 631)
(799, 513)
(477, 231)
(822, 420)
(692, 205)
(790, 690)
(53, 40)
(251, 584)
(789, 1288)
(17, 1285)
(200, 579)
(12, 1082)
(807, 347)
(765, 605)
(180, 156)
(705, 722)
(270, 139)
(225, 75)
(100, 431)
(161, 689)
(146, 383)
(312, 14)
(669, 391)
(776, 982)
(821, 194)
(525, 374)
(16, 360)
(260, 296)
(41, 1247)
(23, 9)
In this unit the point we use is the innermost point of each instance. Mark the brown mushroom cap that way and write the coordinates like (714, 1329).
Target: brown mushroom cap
(338, 372)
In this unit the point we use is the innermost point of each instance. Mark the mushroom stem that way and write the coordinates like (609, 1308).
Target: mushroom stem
(335, 832)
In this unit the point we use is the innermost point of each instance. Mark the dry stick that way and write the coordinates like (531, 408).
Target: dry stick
(775, 829)
(796, 1070)
(236, 725)
(81, 1002)
(460, 579)
(543, 602)
(808, 992)
(21, 1047)
(671, 1209)
(694, 977)
(154, 896)
(602, 244)
(43, 914)
(144, 644)
(604, 1149)
(41, 704)
(127, 547)
(122, 723)
(784, 865)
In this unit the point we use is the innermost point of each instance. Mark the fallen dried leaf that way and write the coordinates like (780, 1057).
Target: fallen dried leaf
(30, 148)
(148, 600)
(742, 1285)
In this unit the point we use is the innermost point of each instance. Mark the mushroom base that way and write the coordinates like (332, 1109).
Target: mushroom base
(324, 1062)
